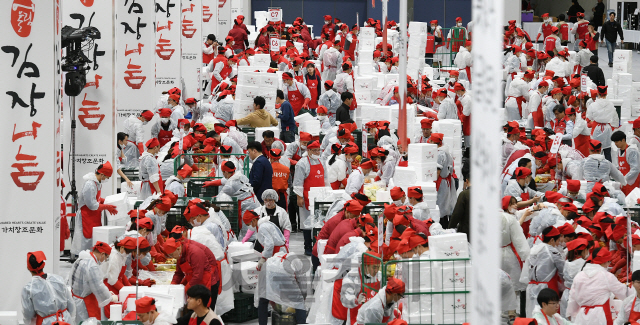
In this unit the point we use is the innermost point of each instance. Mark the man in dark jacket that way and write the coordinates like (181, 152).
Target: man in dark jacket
(342, 114)
(287, 121)
(610, 31)
(594, 72)
(598, 12)
(261, 173)
(460, 216)
(574, 10)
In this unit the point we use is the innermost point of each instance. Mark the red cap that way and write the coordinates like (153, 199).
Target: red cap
(164, 204)
(600, 256)
(286, 77)
(275, 153)
(152, 143)
(365, 219)
(543, 83)
(566, 229)
(322, 110)
(436, 138)
(552, 197)
(454, 73)
(304, 136)
(353, 206)
(555, 91)
(106, 169)
(578, 243)
(573, 185)
(584, 221)
(395, 286)
(248, 216)
(175, 97)
(145, 223)
(185, 171)
(367, 164)
(595, 145)
(396, 193)
(40, 258)
(171, 245)
(554, 232)
(636, 123)
(145, 305)
(415, 192)
(522, 172)
(313, 145)
(602, 90)
(193, 211)
(164, 112)
(148, 115)
(228, 167)
(102, 247)
(635, 240)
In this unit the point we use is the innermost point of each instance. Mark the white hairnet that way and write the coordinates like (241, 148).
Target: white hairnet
(277, 145)
(270, 194)
(546, 217)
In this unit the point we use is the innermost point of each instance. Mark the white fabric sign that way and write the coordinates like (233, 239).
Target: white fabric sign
(29, 98)
(557, 141)
(135, 58)
(236, 10)
(485, 169)
(274, 15)
(210, 19)
(167, 46)
(225, 21)
(95, 125)
(191, 30)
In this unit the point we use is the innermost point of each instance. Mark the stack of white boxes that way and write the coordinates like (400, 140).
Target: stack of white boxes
(417, 44)
(625, 93)
(622, 61)
(363, 87)
(246, 90)
(366, 46)
(121, 202)
(422, 161)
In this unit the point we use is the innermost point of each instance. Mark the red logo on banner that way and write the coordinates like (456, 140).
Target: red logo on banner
(87, 3)
(221, 3)
(22, 12)
(163, 49)
(187, 28)
(134, 69)
(86, 119)
(206, 14)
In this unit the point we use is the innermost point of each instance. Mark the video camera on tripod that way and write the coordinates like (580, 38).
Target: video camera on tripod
(75, 63)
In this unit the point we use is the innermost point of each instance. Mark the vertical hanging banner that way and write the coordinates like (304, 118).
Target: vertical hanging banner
(225, 21)
(237, 9)
(135, 58)
(167, 49)
(210, 19)
(29, 191)
(95, 125)
(61, 224)
(191, 30)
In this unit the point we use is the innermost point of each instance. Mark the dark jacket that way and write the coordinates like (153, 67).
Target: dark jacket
(286, 117)
(260, 176)
(460, 216)
(610, 30)
(594, 73)
(573, 11)
(597, 15)
(342, 114)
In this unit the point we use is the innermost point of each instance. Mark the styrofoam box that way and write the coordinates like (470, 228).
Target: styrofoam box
(246, 92)
(363, 96)
(247, 272)
(9, 317)
(261, 59)
(449, 246)
(312, 126)
(259, 131)
(107, 234)
(133, 191)
(624, 79)
(363, 83)
(366, 44)
(327, 259)
(635, 110)
(452, 275)
(636, 261)
(425, 172)
(365, 68)
(390, 77)
(454, 303)
(251, 79)
(322, 243)
(418, 27)
(622, 56)
(366, 32)
(383, 196)
(238, 246)
(422, 152)
(427, 187)
(449, 142)
(121, 202)
(404, 175)
(269, 80)
(269, 94)
(621, 67)
(435, 212)
(242, 108)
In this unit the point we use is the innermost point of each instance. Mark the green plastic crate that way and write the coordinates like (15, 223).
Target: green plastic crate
(195, 189)
(250, 132)
(243, 309)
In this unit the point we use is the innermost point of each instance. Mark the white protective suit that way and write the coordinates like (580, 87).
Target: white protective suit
(155, 129)
(284, 223)
(447, 196)
(463, 59)
(591, 287)
(421, 212)
(238, 186)
(355, 181)
(507, 149)
(388, 168)
(231, 142)
(86, 197)
(175, 185)
(46, 297)
(604, 113)
(331, 58)
(571, 269)
(303, 169)
(224, 110)
(558, 66)
(583, 58)
(294, 149)
(149, 173)
(555, 319)
(177, 113)
(517, 88)
(508, 293)
(86, 278)
(514, 189)
(627, 304)
(374, 310)
(133, 127)
(216, 229)
(633, 159)
(343, 83)
(331, 100)
(544, 262)
(597, 168)
(338, 170)
(513, 240)
(447, 109)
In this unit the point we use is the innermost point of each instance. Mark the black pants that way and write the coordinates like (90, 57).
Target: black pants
(263, 313)
(214, 294)
(307, 239)
(288, 136)
(282, 201)
(607, 154)
(293, 211)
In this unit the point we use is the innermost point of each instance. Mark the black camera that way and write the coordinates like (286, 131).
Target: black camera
(76, 63)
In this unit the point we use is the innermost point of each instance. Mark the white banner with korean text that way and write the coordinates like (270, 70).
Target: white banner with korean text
(167, 46)
(191, 44)
(29, 98)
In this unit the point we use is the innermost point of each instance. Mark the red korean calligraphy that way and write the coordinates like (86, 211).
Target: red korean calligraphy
(221, 3)
(206, 14)
(163, 48)
(28, 180)
(188, 28)
(133, 74)
(90, 120)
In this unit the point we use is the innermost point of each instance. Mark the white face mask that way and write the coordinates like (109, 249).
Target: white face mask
(327, 22)
(196, 223)
(322, 118)
(147, 323)
(458, 24)
(145, 122)
(349, 159)
(513, 210)
(433, 27)
(548, 20)
(164, 119)
(398, 202)
(303, 147)
(315, 156)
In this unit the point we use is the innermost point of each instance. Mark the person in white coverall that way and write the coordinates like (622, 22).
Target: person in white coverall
(277, 215)
(509, 143)
(597, 169)
(331, 100)
(197, 214)
(355, 181)
(150, 171)
(520, 189)
(604, 114)
(90, 204)
(544, 267)
(577, 253)
(464, 59)
(515, 249)
(331, 58)
(630, 311)
(148, 314)
(447, 108)
(379, 309)
(175, 183)
(177, 110)
(589, 300)
(546, 312)
(445, 183)
(46, 298)
(133, 128)
(89, 292)
(309, 173)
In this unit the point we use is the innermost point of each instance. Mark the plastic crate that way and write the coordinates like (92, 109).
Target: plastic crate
(375, 210)
(243, 309)
(230, 210)
(251, 133)
(282, 318)
(176, 219)
(195, 189)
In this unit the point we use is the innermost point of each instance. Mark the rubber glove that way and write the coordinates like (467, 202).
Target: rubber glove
(110, 208)
(287, 233)
(259, 266)
(247, 236)
(215, 182)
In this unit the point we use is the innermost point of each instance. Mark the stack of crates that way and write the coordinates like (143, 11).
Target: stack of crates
(230, 210)
(243, 309)
(250, 132)
(195, 189)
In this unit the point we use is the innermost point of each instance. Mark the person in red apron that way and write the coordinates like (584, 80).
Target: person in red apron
(547, 311)
(150, 171)
(148, 313)
(349, 291)
(628, 161)
(355, 181)
(589, 299)
(379, 309)
(635, 137)
(86, 282)
(219, 68)
(297, 93)
(309, 173)
(546, 27)
(552, 42)
(91, 207)
(543, 266)
(465, 114)
(580, 132)
(194, 263)
(535, 104)
(313, 80)
(163, 129)
(630, 311)
(46, 297)
(515, 248)
(208, 49)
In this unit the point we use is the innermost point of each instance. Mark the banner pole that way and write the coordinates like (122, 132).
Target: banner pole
(402, 117)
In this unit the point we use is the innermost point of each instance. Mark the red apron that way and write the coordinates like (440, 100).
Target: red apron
(624, 168)
(519, 101)
(581, 30)
(431, 41)
(315, 179)
(546, 30)
(90, 218)
(160, 183)
(553, 284)
(298, 78)
(466, 124)
(526, 224)
(513, 248)
(468, 70)
(538, 116)
(296, 100)
(581, 143)
(312, 84)
(607, 310)
(240, 206)
(634, 316)
(59, 316)
(564, 32)
(206, 58)
(337, 309)
(90, 301)
(164, 137)
(549, 43)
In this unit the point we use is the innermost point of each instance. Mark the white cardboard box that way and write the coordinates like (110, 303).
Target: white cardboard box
(449, 246)
(622, 56)
(425, 172)
(258, 132)
(107, 234)
(422, 152)
(133, 191)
